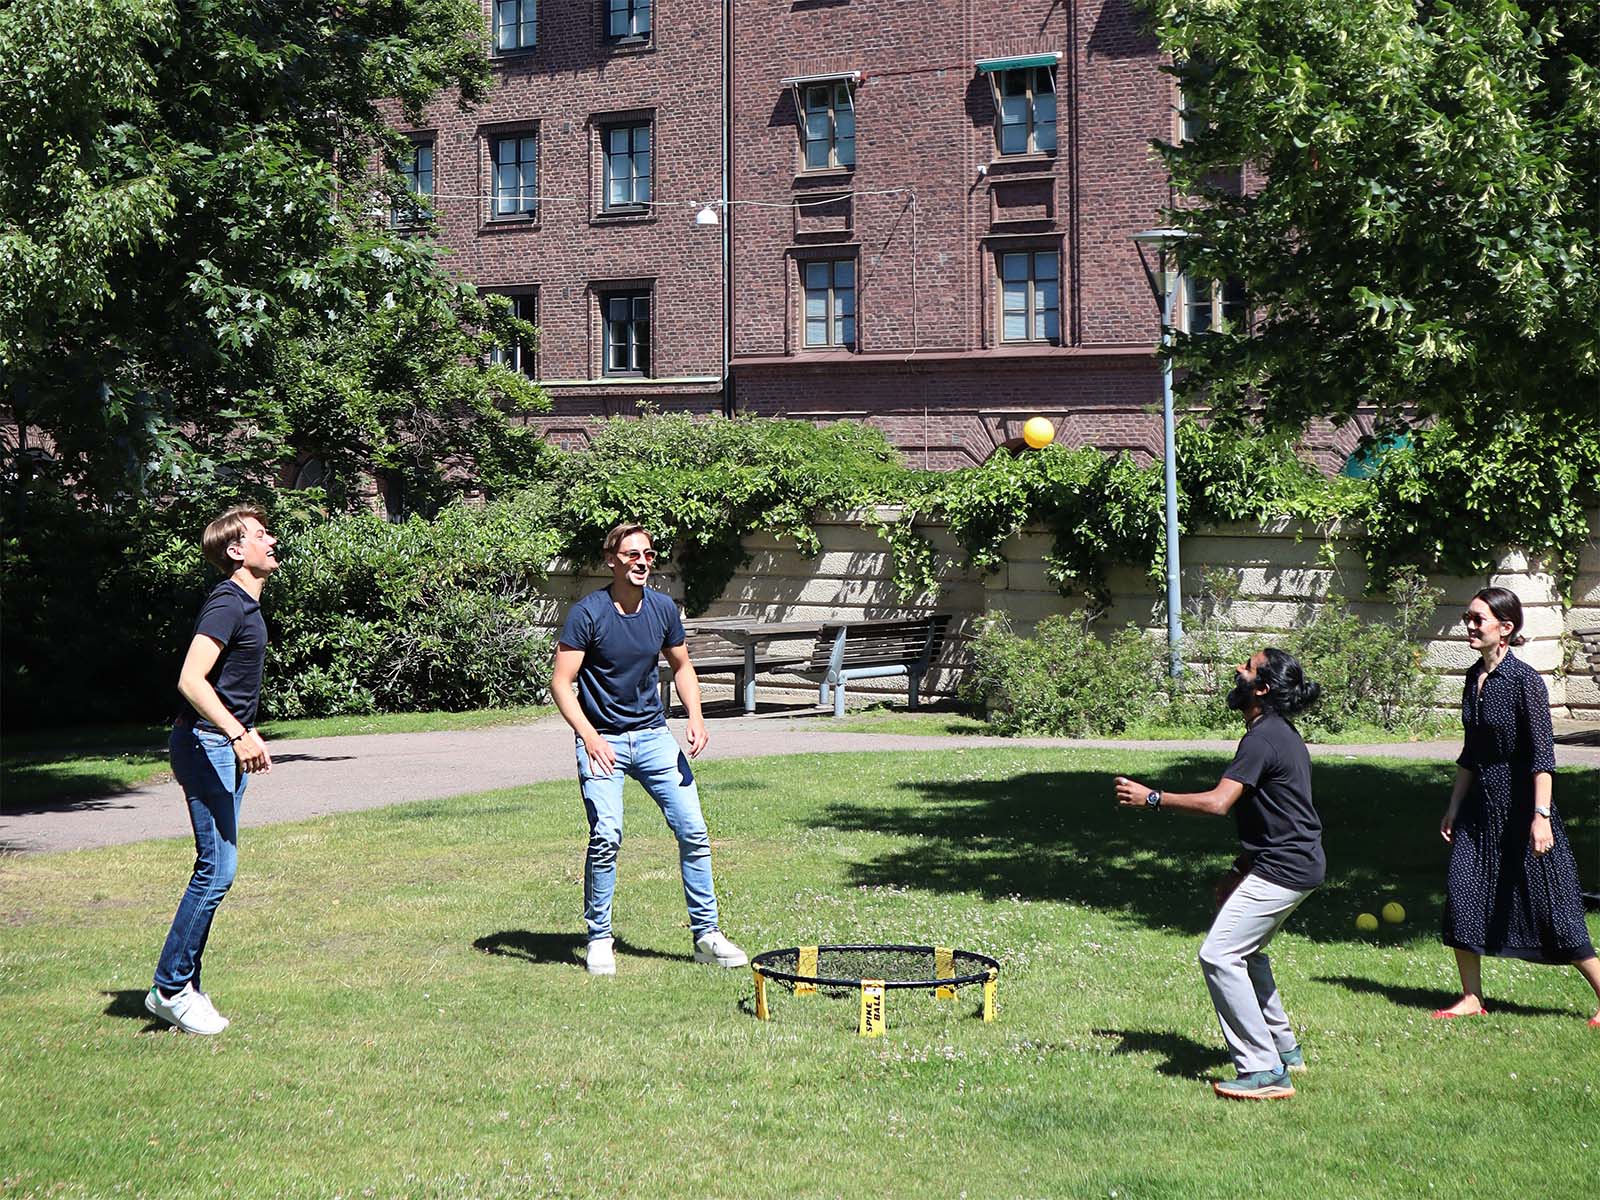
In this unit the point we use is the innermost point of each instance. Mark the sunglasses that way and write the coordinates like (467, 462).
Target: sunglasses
(629, 556)
(1474, 620)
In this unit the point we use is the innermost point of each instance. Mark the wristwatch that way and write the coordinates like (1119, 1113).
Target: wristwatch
(1153, 799)
(1542, 811)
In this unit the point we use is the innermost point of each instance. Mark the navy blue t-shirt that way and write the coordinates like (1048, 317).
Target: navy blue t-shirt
(1278, 825)
(232, 616)
(618, 684)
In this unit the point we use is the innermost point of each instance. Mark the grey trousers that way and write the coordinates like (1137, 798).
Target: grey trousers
(1239, 974)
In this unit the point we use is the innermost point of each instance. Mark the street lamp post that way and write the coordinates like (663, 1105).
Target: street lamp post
(1164, 287)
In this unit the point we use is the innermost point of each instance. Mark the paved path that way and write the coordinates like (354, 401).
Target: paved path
(313, 776)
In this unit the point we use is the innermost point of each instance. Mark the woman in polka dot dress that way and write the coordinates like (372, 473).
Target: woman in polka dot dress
(1513, 888)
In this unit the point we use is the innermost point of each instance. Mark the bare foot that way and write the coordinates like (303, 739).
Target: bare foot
(1468, 1006)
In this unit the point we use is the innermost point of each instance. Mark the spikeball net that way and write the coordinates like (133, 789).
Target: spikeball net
(872, 971)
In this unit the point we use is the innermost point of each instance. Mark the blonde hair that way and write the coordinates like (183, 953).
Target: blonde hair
(620, 533)
(224, 532)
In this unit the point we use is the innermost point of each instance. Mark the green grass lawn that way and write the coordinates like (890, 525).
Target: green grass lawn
(411, 1017)
(58, 766)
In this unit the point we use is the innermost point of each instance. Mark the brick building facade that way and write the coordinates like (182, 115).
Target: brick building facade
(925, 221)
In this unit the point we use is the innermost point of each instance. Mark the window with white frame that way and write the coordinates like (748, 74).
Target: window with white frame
(627, 165)
(1209, 305)
(828, 124)
(415, 207)
(516, 25)
(625, 317)
(627, 20)
(1030, 296)
(830, 303)
(516, 177)
(1025, 118)
(519, 356)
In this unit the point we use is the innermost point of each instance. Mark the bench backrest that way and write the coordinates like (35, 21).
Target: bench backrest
(1589, 642)
(879, 643)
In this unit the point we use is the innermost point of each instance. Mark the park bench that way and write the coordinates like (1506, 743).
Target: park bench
(714, 654)
(874, 650)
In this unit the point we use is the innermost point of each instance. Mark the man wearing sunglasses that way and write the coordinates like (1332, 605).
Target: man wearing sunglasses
(608, 648)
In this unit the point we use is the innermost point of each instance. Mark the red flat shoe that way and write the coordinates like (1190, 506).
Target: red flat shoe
(1444, 1014)
(1594, 1022)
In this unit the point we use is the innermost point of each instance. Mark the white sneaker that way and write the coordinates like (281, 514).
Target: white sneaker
(188, 1010)
(602, 956)
(714, 947)
(205, 998)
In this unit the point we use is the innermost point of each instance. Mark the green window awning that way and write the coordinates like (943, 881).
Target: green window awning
(1018, 61)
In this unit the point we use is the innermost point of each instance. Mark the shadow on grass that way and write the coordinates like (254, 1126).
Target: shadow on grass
(1059, 835)
(129, 1005)
(562, 949)
(34, 788)
(1184, 1057)
(1427, 999)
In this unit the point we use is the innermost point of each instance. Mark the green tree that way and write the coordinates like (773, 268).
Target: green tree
(199, 284)
(1419, 236)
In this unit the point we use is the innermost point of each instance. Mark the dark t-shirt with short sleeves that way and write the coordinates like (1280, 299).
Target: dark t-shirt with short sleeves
(618, 684)
(233, 617)
(1278, 825)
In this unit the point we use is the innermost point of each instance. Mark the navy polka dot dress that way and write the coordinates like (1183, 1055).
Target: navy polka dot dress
(1502, 899)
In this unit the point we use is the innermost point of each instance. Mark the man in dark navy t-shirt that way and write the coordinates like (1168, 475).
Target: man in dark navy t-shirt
(1267, 787)
(215, 748)
(610, 647)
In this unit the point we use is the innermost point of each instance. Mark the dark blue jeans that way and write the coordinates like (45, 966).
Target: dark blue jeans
(213, 786)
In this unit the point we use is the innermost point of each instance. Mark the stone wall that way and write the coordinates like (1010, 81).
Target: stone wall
(1283, 572)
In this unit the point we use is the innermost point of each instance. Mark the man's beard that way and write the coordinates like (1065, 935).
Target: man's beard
(1240, 694)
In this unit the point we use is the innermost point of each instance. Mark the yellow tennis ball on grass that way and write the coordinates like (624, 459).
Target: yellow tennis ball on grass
(1038, 432)
(1393, 913)
(1367, 923)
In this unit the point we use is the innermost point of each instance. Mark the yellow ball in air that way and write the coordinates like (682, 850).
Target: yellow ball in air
(1393, 913)
(1367, 923)
(1038, 432)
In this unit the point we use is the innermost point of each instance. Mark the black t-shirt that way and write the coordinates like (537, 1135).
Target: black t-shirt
(1278, 826)
(232, 616)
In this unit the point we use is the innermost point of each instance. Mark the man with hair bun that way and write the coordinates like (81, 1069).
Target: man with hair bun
(1267, 787)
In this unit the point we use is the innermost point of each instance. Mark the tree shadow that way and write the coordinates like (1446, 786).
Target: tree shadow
(1184, 1057)
(561, 949)
(288, 758)
(128, 1004)
(1059, 835)
(1428, 999)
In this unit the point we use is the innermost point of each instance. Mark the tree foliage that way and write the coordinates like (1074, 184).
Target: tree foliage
(1423, 236)
(199, 285)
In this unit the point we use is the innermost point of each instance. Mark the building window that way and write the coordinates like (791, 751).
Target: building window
(1030, 296)
(628, 164)
(516, 25)
(1207, 306)
(414, 207)
(830, 318)
(516, 177)
(828, 119)
(1026, 101)
(626, 317)
(627, 20)
(517, 356)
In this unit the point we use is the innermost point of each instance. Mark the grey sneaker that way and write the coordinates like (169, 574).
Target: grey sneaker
(188, 1010)
(602, 959)
(715, 948)
(1258, 1085)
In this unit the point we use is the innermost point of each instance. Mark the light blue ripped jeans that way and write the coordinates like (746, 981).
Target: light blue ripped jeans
(653, 757)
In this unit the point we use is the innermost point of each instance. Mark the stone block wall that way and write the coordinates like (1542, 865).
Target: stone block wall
(1282, 571)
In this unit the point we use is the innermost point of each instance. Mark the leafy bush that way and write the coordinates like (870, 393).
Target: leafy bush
(370, 616)
(1063, 680)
